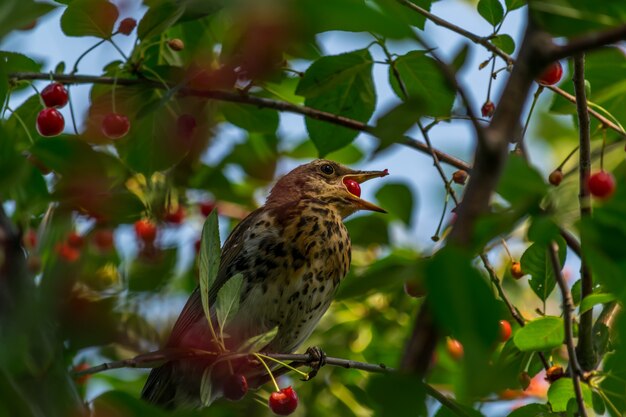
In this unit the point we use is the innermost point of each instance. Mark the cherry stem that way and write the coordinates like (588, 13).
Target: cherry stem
(117, 47)
(304, 374)
(493, 67)
(75, 67)
(506, 248)
(435, 237)
(21, 122)
(530, 112)
(560, 167)
(269, 371)
(603, 145)
(113, 92)
(72, 110)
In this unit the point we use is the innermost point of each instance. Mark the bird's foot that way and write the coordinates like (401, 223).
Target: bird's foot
(318, 359)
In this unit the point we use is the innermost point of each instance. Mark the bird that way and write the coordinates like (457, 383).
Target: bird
(292, 254)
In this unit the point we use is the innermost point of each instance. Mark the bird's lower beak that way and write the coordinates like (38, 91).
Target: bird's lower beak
(360, 177)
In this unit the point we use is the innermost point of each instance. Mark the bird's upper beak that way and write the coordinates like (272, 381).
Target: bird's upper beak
(361, 177)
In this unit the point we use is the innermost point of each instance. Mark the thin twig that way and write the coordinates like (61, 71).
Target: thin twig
(568, 308)
(589, 42)
(585, 340)
(459, 30)
(512, 309)
(245, 99)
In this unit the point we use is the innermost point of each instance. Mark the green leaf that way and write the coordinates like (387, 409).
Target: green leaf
(251, 118)
(541, 334)
(368, 230)
(14, 62)
(206, 390)
(533, 410)
(536, 262)
(514, 4)
(152, 274)
(594, 299)
(19, 13)
(385, 389)
(158, 19)
(209, 262)
(397, 199)
(423, 81)
(118, 403)
(348, 155)
(491, 10)
(576, 17)
(561, 392)
(258, 342)
(89, 18)
(342, 85)
(257, 156)
(521, 184)
(504, 42)
(391, 126)
(227, 303)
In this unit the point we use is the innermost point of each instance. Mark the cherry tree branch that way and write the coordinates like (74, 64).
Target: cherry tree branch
(243, 98)
(568, 308)
(589, 42)
(585, 336)
(483, 41)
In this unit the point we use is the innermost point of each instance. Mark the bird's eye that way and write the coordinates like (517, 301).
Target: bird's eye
(327, 169)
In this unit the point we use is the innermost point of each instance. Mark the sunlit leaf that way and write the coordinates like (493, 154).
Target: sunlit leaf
(536, 262)
(561, 392)
(227, 302)
(541, 334)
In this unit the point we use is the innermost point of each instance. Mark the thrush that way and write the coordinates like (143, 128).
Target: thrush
(292, 253)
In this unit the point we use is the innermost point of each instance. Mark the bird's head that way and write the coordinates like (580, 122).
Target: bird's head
(326, 181)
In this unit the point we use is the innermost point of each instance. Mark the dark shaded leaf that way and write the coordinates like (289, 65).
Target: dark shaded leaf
(397, 199)
(504, 42)
(368, 230)
(491, 10)
(89, 18)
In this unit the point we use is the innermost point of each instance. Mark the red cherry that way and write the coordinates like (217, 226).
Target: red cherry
(67, 252)
(455, 348)
(505, 330)
(352, 186)
(601, 184)
(30, 239)
(75, 240)
(115, 125)
(197, 245)
(80, 380)
(551, 75)
(235, 387)
(206, 207)
(145, 230)
(103, 239)
(516, 270)
(283, 402)
(127, 25)
(488, 108)
(414, 288)
(50, 122)
(185, 126)
(175, 217)
(54, 95)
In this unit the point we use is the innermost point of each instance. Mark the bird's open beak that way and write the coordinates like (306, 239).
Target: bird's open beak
(361, 177)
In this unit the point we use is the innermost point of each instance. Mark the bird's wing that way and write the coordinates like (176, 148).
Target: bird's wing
(193, 311)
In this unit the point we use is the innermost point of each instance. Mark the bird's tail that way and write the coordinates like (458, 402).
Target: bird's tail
(160, 388)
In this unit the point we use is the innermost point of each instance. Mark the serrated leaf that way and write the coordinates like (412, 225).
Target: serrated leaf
(206, 389)
(423, 81)
(159, 18)
(397, 199)
(342, 85)
(227, 302)
(594, 299)
(536, 262)
(491, 10)
(541, 334)
(504, 42)
(258, 342)
(209, 262)
(561, 392)
(89, 18)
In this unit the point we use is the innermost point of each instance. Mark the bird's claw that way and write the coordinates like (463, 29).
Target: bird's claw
(318, 359)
